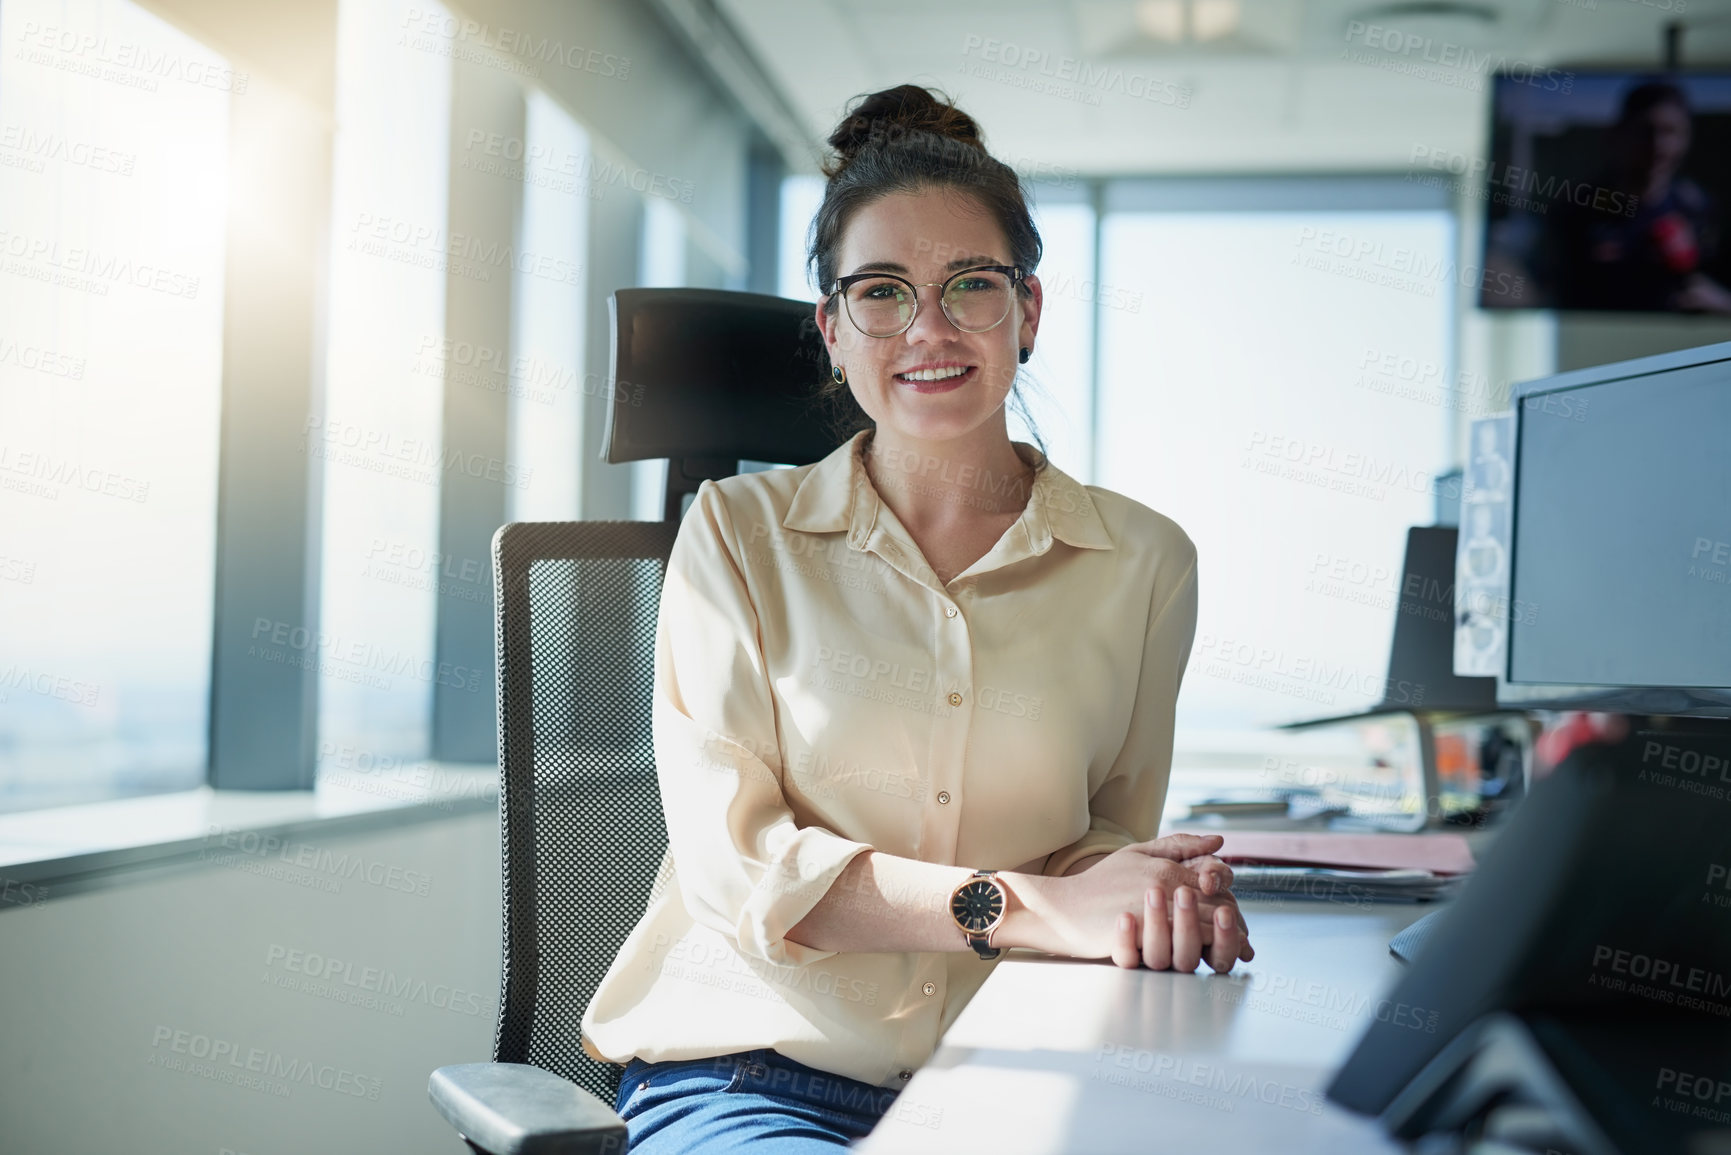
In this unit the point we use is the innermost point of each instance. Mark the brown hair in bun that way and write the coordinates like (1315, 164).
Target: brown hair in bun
(904, 139)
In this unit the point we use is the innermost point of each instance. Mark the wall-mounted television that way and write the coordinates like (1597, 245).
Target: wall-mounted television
(1610, 191)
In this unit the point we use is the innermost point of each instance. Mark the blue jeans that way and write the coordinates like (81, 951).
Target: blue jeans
(755, 1101)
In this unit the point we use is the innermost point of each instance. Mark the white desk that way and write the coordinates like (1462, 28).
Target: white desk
(1057, 1055)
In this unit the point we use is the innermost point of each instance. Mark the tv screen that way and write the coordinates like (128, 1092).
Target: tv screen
(1611, 192)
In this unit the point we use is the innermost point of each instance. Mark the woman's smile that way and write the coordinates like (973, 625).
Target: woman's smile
(936, 376)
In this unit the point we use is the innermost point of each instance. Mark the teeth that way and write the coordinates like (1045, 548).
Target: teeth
(934, 374)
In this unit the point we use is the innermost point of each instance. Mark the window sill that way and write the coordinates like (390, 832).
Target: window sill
(67, 850)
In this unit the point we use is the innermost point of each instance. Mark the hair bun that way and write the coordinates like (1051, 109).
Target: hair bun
(894, 115)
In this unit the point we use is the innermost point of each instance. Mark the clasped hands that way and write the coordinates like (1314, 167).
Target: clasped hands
(1184, 910)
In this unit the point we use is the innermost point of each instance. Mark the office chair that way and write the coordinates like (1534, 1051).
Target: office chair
(704, 378)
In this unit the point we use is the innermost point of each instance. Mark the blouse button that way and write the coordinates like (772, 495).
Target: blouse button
(943, 797)
(949, 611)
(905, 1075)
(955, 698)
(930, 988)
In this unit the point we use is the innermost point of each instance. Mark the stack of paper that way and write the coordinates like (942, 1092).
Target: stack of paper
(1352, 887)
(1349, 868)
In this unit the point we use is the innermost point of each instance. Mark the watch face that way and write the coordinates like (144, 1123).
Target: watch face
(978, 906)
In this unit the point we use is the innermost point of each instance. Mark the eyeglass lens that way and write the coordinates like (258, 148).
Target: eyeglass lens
(974, 301)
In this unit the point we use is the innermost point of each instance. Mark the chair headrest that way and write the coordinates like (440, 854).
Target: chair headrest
(708, 373)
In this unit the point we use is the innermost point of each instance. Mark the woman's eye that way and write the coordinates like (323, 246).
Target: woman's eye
(972, 284)
(883, 292)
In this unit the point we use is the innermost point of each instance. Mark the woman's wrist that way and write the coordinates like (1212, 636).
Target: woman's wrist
(1030, 915)
(1081, 864)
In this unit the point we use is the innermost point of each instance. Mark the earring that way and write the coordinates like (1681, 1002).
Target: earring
(1024, 354)
(838, 374)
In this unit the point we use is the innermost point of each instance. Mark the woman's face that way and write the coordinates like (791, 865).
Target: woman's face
(927, 236)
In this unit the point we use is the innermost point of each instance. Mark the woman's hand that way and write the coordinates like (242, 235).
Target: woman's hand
(1191, 895)
(1172, 932)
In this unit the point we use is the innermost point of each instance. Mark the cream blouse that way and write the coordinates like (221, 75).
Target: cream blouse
(820, 693)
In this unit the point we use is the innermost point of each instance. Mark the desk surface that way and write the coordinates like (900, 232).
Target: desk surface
(1059, 1055)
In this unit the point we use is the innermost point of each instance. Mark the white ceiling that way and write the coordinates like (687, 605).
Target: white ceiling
(1276, 94)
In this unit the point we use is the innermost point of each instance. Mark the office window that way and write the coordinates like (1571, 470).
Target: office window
(113, 177)
(1058, 381)
(800, 198)
(661, 265)
(1260, 397)
(545, 375)
(379, 434)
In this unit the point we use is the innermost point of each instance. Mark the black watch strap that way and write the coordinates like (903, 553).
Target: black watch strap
(982, 943)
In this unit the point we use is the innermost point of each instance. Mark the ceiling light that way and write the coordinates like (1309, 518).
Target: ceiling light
(1176, 21)
(1213, 19)
(1161, 19)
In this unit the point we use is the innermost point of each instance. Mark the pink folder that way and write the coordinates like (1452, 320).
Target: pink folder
(1437, 853)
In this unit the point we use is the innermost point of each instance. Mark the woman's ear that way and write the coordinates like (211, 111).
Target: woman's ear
(826, 325)
(1031, 306)
(838, 338)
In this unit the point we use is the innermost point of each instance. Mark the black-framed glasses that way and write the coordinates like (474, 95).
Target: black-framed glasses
(885, 305)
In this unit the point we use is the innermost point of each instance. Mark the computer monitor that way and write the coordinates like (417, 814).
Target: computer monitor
(1619, 543)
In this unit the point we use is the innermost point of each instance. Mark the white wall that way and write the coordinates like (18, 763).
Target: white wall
(90, 982)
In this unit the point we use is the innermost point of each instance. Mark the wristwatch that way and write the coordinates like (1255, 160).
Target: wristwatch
(977, 904)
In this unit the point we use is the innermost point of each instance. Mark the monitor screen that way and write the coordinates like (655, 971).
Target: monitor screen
(1611, 192)
(1622, 532)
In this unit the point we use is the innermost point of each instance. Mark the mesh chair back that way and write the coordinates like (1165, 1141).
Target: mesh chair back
(580, 809)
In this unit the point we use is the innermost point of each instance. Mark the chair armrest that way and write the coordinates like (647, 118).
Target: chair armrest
(517, 1109)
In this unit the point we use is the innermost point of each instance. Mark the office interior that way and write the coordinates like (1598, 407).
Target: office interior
(301, 300)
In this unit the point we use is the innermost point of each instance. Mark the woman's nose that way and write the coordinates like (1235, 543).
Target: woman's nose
(930, 321)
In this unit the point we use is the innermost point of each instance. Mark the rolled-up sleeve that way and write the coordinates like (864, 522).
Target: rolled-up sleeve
(1127, 806)
(745, 867)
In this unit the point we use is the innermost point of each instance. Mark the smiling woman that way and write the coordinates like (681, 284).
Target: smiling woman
(874, 778)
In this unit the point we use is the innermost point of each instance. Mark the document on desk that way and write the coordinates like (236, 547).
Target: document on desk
(1346, 867)
(1320, 882)
(1442, 854)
